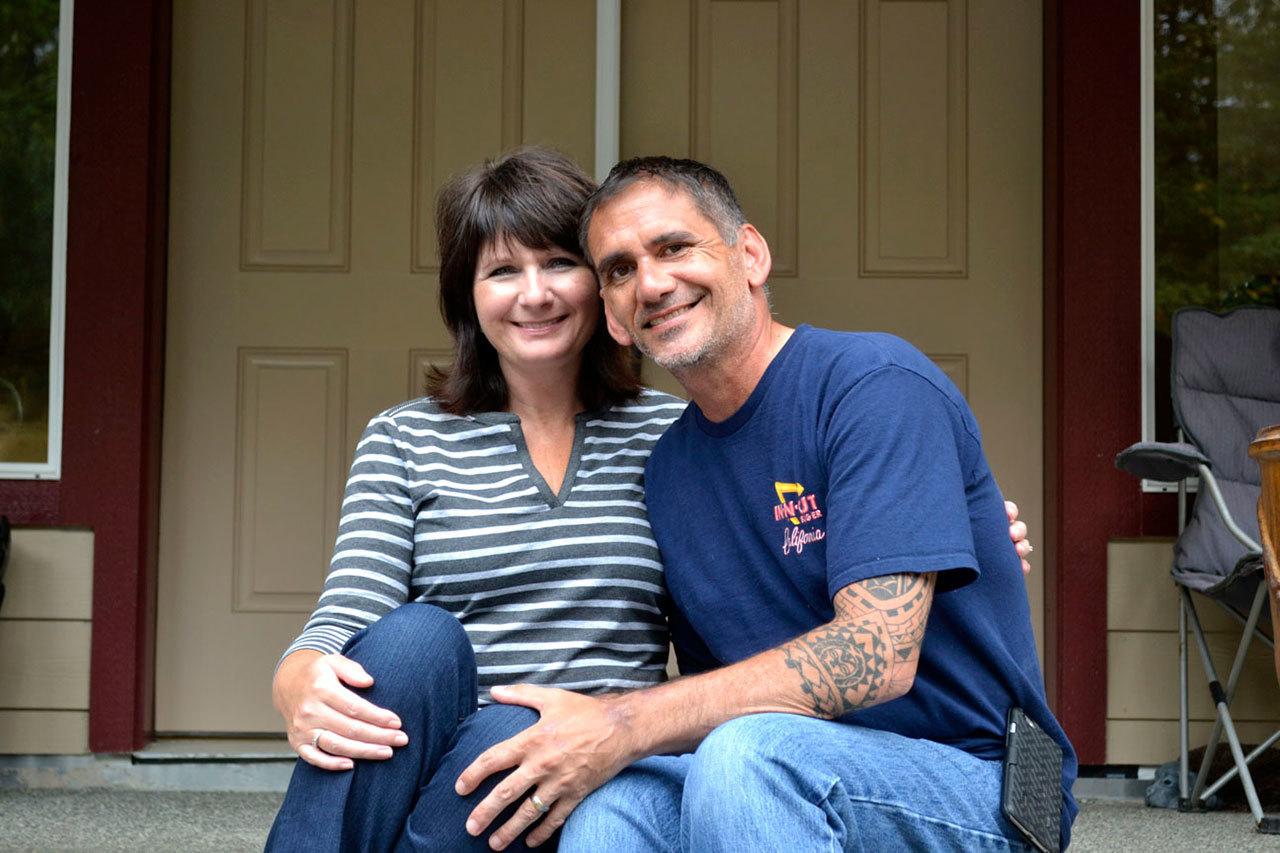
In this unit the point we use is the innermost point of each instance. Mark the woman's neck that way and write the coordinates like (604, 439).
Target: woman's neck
(543, 395)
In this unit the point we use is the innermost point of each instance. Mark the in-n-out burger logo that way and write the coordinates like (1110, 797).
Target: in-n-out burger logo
(798, 510)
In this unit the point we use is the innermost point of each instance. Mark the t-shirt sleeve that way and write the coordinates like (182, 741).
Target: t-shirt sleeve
(896, 499)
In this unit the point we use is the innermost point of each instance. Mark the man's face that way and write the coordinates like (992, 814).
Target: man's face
(671, 285)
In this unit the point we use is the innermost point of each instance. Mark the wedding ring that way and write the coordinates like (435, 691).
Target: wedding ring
(538, 804)
(315, 741)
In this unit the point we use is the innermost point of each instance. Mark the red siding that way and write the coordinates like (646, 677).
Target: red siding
(1092, 342)
(114, 350)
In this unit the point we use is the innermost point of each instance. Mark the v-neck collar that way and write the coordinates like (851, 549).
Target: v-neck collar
(512, 420)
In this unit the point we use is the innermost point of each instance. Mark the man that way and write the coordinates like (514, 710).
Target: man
(848, 611)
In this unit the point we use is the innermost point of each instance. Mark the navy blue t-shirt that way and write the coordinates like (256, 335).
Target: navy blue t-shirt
(854, 457)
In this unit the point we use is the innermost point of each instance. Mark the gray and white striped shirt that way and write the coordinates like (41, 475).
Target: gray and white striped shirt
(564, 590)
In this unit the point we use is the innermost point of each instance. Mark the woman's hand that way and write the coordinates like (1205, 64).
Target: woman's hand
(329, 725)
(1018, 533)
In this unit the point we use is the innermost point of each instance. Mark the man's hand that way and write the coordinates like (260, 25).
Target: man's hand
(1018, 533)
(579, 743)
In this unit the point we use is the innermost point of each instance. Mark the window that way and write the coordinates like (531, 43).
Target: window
(35, 39)
(1211, 179)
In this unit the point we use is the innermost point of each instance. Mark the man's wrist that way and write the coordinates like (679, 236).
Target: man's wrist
(625, 711)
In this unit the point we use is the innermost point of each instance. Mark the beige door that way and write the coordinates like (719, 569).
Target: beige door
(889, 151)
(308, 140)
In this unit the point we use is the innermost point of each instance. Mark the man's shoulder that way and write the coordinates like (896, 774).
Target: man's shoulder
(852, 357)
(862, 353)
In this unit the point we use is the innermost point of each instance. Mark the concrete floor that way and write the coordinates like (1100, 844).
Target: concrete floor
(111, 820)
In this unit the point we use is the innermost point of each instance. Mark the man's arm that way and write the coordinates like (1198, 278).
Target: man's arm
(867, 654)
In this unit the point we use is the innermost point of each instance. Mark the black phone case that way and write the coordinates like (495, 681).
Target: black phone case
(1032, 795)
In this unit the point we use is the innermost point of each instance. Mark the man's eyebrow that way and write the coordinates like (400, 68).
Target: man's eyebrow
(609, 260)
(671, 237)
(660, 240)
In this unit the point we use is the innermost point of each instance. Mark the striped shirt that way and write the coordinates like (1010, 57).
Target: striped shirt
(564, 590)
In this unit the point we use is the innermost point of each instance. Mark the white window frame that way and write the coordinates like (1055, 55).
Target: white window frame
(51, 468)
(1147, 125)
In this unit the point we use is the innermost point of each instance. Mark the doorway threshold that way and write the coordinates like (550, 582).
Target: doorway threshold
(214, 750)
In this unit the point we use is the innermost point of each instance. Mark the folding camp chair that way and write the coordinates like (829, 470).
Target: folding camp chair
(1226, 386)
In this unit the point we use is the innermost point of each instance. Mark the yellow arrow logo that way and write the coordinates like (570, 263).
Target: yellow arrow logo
(784, 489)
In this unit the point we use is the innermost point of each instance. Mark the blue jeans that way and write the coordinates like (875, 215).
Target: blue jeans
(424, 670)
(786, 782)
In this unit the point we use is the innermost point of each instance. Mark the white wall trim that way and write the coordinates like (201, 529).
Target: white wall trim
(52, 468)
(608, 85)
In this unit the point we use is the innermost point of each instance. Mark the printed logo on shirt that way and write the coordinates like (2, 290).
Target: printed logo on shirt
(798, 510)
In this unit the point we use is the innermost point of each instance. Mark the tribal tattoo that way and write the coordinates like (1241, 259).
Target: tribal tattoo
(868, 653)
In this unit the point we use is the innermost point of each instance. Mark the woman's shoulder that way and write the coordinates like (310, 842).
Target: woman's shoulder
(652, 400)
(419, 413)
(645, 416)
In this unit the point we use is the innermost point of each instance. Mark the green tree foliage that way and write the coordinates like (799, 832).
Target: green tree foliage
(1217, 157)
(28, 110)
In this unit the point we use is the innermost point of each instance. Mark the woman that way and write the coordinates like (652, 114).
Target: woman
(510, 501)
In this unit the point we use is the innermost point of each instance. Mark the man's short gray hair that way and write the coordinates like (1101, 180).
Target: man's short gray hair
(709, 190)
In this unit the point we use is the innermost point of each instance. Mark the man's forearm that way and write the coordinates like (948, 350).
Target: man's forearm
(867, 654)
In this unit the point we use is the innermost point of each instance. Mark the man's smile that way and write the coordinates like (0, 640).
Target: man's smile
(669, 315)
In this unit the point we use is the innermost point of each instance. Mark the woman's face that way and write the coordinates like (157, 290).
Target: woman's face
(538, 307)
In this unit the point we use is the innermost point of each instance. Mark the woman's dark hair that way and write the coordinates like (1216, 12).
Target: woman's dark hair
(534, 196)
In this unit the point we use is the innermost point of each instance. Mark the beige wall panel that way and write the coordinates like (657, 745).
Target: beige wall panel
(560, 78)
(468, 99)
(50, 575)
(289, 472)
(1142, 678)
(419, 362)
(299, 58)
(914, 138)
(656, 94)
(956, 367)
(1153, 742)
(1141, 595)
(44, 732)
(746, 111)
(45, 664)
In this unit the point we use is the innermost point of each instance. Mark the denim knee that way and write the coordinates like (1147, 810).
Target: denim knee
(413, 647)
(736, 765)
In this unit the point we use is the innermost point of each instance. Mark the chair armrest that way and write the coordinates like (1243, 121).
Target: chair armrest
(1166, 461)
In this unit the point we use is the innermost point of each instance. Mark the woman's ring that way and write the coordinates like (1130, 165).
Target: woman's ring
(538, 804)
(315, 741)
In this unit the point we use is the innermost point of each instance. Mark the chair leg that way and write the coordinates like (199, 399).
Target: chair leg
(1184, 740)
(1224, 716)
(1233, 679)
(1248, 759)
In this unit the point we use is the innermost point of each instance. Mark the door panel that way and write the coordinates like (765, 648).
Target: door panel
(309, 140)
